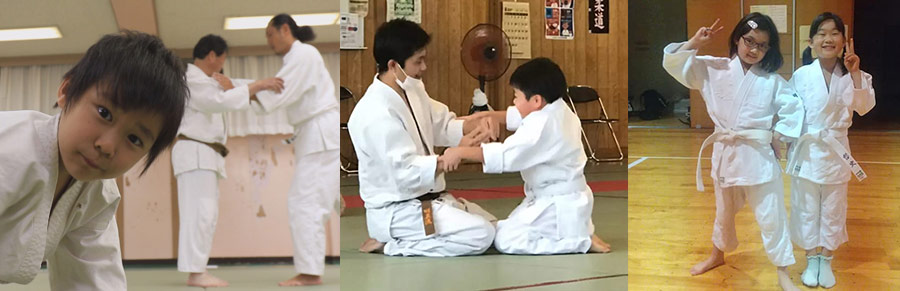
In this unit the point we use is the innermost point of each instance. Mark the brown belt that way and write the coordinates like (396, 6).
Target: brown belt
(218, 147)
(427, 212)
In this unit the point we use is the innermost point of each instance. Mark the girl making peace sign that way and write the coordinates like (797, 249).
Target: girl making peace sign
(832, 88)
(743, 96)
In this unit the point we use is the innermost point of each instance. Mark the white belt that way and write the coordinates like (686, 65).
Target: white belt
(562, 188)
(289, 140)
(761, 136)
(293, 137)
(829, 137)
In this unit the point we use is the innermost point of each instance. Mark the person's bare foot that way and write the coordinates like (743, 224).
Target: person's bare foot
(302, 280)
(371, 246)
(784, 280)
(598, 245)
(716, 258)
(205, 280)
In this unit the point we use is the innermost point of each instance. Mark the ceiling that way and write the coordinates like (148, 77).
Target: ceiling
(180, 23)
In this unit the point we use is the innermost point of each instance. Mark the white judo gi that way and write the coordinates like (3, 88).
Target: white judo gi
(743, 108)
(817, 162)
(197, 167)
(312, 108)
(395, 167)
(79, 238)
(555, 216)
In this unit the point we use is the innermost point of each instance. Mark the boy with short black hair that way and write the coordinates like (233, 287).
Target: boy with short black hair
(555, 217)
(123, 101)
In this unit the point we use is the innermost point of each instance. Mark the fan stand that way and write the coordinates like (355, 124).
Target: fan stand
(490, 53)
(481, 82)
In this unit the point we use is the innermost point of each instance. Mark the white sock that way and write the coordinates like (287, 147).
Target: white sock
(826, 277)
(810, 276)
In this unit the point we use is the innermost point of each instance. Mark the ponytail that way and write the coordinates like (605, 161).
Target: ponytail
(302, 33)
(807, 56)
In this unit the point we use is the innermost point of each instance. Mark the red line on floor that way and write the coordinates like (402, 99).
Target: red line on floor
(354, 201)
(556, 282)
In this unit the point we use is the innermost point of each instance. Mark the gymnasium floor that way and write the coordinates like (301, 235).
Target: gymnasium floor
(250, 277)
(494, 271)
(670, 223)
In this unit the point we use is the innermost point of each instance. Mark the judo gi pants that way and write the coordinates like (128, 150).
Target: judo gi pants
(535, 230)
(767, 201)
(313, 196)
(198, 211)
(818, 214)
(461, 228)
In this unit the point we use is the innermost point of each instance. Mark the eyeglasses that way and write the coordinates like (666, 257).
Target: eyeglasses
(763, 47)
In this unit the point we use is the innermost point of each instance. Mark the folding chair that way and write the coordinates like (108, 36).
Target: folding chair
(586, 94)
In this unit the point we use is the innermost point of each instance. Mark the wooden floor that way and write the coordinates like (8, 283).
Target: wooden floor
(670, 223)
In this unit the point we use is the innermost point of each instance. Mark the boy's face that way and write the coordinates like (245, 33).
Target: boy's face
(526, 106)
(414, 66)
(98, 140)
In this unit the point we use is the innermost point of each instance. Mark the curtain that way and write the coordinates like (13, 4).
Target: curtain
(35, 88)
(31, 87)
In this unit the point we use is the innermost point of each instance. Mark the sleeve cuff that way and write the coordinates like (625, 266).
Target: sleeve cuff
(455, 131)
(513, 118)
(428, 166)
(674, 48)
(257, 108)
(245, 96)
(493, 157)
(266, 100)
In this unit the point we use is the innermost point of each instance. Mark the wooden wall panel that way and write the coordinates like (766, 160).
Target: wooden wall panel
(808, 10)
(596, 60)
(784, 36)
(703, 13)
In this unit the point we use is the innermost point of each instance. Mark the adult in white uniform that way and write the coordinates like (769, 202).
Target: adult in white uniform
(394, 129)
(555, 216)
(312, 107)
(743, 96)
(198, 155)
(58, 197)
(832, 88)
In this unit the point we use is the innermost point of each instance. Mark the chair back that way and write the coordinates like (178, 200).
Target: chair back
(583, 94)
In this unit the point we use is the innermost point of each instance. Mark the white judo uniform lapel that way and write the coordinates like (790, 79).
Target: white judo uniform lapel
(818, 114)
(418, 121)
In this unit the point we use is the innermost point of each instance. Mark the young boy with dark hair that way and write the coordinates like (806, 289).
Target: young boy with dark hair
(555, 217)
(123, 101)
